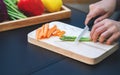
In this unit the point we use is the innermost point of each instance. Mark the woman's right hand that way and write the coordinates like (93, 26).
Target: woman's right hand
(103, 9)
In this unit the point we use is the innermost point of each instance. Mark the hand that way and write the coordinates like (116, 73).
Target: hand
(102, 8)
(106, 30)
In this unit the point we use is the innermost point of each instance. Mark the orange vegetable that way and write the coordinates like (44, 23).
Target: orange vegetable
(42, 32)
(55, 32)
(46, 28)
(37, 33)
(51, 30)
(60, 34)
(46, 32)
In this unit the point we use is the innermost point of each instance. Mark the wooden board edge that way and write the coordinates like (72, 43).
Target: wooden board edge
(66, 53)
(106, 54)
(65, 13)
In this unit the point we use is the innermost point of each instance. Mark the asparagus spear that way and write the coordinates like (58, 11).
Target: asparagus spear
(72, 38)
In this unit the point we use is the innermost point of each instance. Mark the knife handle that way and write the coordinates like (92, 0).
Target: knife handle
(91, 22)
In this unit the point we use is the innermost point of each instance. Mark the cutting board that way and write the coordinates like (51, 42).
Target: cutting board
(87, 52)
(34, 20)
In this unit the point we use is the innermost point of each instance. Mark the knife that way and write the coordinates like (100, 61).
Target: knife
(81, 34)
(86, 28)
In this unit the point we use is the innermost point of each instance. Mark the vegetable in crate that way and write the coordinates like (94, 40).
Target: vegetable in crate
(31, 7)
(3, 11)
(13, 11)
(52, 5)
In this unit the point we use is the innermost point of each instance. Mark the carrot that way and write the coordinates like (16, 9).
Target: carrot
(42, 32)
(60, 34)
(46, 32)
(38, 32)
(56, 32)
(51, 30)
(46, 28)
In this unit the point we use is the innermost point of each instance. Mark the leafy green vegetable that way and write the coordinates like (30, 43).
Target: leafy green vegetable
(13, 10)
(14, 1)
(72, 38)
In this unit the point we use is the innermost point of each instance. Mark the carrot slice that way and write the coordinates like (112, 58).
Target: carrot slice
(60, 34)
(55, 33)
(38, 32)
(42, 32)
(51, 30)
(46, 28)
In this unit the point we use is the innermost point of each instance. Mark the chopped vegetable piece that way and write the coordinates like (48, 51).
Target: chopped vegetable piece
(42, 32)
(46, 28)
(37, 33)
(72, 38)
(60, 34)
(51, 30)
(46, 32)
(55, 33)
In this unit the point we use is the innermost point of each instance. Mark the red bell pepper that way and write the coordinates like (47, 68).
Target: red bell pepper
(31, 7)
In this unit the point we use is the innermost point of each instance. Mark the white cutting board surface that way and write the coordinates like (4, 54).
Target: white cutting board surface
(87, 52)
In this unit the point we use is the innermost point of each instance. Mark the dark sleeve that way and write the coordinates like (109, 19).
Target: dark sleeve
(117, 5)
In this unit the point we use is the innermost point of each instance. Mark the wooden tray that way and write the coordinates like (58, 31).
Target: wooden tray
(87, 52)
(64, 13)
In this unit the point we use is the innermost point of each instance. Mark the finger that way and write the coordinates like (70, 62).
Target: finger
(98, 32)
(105, 35)
(101, 18)
(89, 17)
(95, 27)
(90, 14)
(93, 13)
(113, 38)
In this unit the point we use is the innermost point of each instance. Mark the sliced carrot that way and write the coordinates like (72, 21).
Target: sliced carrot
(60, 34)
(51, 30)
(42, 32)
(38, 32)
(56, 32)
(46, 32)
(46, 28)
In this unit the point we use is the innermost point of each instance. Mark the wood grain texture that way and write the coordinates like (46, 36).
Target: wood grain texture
(80, 1)
(87, 52)
(46, 17)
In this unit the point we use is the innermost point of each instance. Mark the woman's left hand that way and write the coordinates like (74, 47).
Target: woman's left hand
(106, 30)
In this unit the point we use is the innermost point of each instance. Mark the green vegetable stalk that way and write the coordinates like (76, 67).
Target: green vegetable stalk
(13, 10)
(14, 1)
(72, 38)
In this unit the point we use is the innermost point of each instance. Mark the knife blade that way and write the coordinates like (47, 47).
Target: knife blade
(81, 34)
(86, 28)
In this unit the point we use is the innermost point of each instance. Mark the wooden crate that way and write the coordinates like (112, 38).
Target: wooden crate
(64, 13)
(80, 1)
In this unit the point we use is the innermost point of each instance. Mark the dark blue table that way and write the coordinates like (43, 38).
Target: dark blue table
(18, 57)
